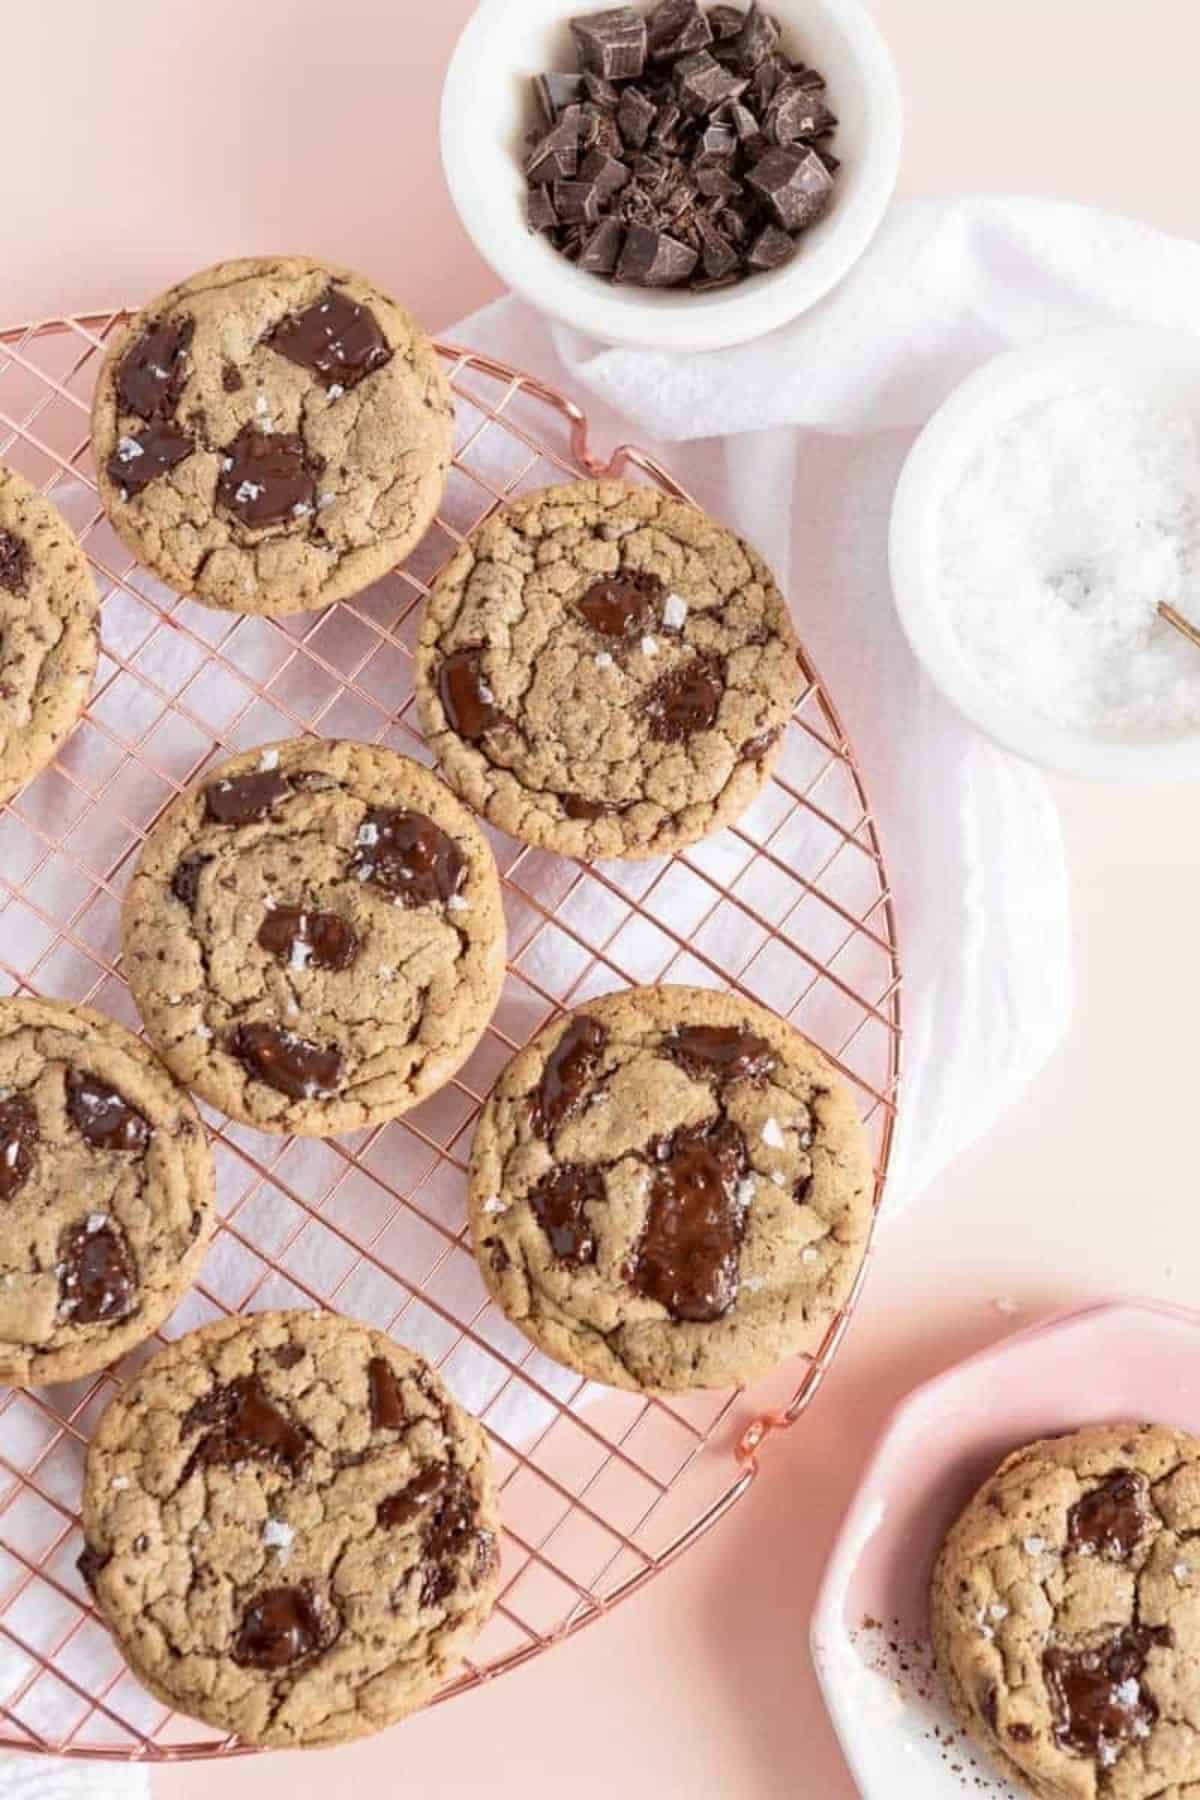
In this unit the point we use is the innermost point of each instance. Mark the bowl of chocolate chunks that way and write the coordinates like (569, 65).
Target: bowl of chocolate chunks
(677, 174)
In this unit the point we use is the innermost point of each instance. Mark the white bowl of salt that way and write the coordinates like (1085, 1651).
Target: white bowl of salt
(1046, 510)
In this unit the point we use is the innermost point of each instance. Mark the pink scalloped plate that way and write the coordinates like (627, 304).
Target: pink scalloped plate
(1118, 1361)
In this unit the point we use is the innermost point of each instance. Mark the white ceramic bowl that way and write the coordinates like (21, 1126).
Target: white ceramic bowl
(487, 107)
(1153, 365)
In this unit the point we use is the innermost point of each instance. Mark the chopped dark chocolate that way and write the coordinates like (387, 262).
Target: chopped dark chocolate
(612, 44)
(676, 27)
(684, 151)
(795, 184)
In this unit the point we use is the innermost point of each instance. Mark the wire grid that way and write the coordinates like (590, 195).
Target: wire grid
(600, 1488)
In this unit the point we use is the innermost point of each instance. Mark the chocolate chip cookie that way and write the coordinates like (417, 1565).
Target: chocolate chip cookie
(106, 1192)
(290, 1527)
(604, 671)
(1066, 1615)
(670, 1188)
(47, 631)
(314, 936)
(272, 434)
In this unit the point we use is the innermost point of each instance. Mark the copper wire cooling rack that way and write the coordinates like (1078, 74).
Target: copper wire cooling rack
(600, 1489)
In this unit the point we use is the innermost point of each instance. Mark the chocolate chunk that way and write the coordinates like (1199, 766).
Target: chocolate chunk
(602, 248)
(755, 41)
(18, 1139)
(408, 856)
(607, 174)
(576, 807)
(153, 370)
(142, 458)
(674, 28)
(687, 1258)
(686, 699)
(97, 1280)
(414, 1500)
(539, 210)
(704, 83)
(14, 563)
(599, 131)
(281, 1628)
(720, 257)
(771, 248)
(765, 83)
(612, 44)
(309, 940)
(336, 337)
(718, 140)
(558, 1202)
(1097, 1699)
(388, 1412)
(635, 116)
(1020, 1733)
(795, 184)
(289, 1355)
(725, 22)
(241, 1424)
(266, 477)
(185, 882)
(292, 1065)
(554, 92)
(231, 379)
(555, 156)
(744, 122)
(244, 799)
(467, 701)
(449, 1536)
(623, 605)
(576, 201)
(797, 112)
(716, 183)
(600, 92)
(102, 1116)
(653, 259)
(1110, 1519)
(722, 1050)
(90, 1564)
(569, 1067)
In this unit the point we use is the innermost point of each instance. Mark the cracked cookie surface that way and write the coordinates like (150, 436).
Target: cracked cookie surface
(314, 936)
(290, 1528)
(1066, 1615)
(272, 434)
(106, 1192)
(48, 628)
(670, 1188)
(605, 671)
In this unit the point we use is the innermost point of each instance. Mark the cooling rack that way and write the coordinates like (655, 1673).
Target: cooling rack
(600, 1489)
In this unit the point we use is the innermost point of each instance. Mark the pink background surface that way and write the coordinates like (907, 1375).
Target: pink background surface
(145, 139)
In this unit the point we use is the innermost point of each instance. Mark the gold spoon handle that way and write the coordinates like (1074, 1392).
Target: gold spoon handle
(1184, 626)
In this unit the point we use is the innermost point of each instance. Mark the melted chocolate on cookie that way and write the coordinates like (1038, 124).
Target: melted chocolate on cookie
(724, 1051)
(18, 1138)
(293, 1065)
(451, 1532)
(622, 606)
(244, 799)
(1110, 1519)
(266, 478)
(558, 1202)
(387, 1403)
(408, 856)
(281, 1628)
(569, 1068)
(467, 701)
(154, 369)
(14, 563)
(685, 700)
(1096, 1696)
(242, 1424)
(185, 881)
(413, 1500)
(687, 1259)
(97, 1281)
(335, 338)
(309, 940)
(142, 458)
(102, 1116)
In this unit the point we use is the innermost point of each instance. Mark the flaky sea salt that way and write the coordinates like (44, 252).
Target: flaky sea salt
(675, 611)
(268, 760)
(278, 1536)
(1055, 547)
(772, 1135)
(1033, 1546)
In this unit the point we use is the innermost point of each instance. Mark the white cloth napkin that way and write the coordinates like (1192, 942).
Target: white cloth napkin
(796, 441)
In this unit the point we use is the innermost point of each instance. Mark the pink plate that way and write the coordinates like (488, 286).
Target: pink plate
(1113, 1362)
